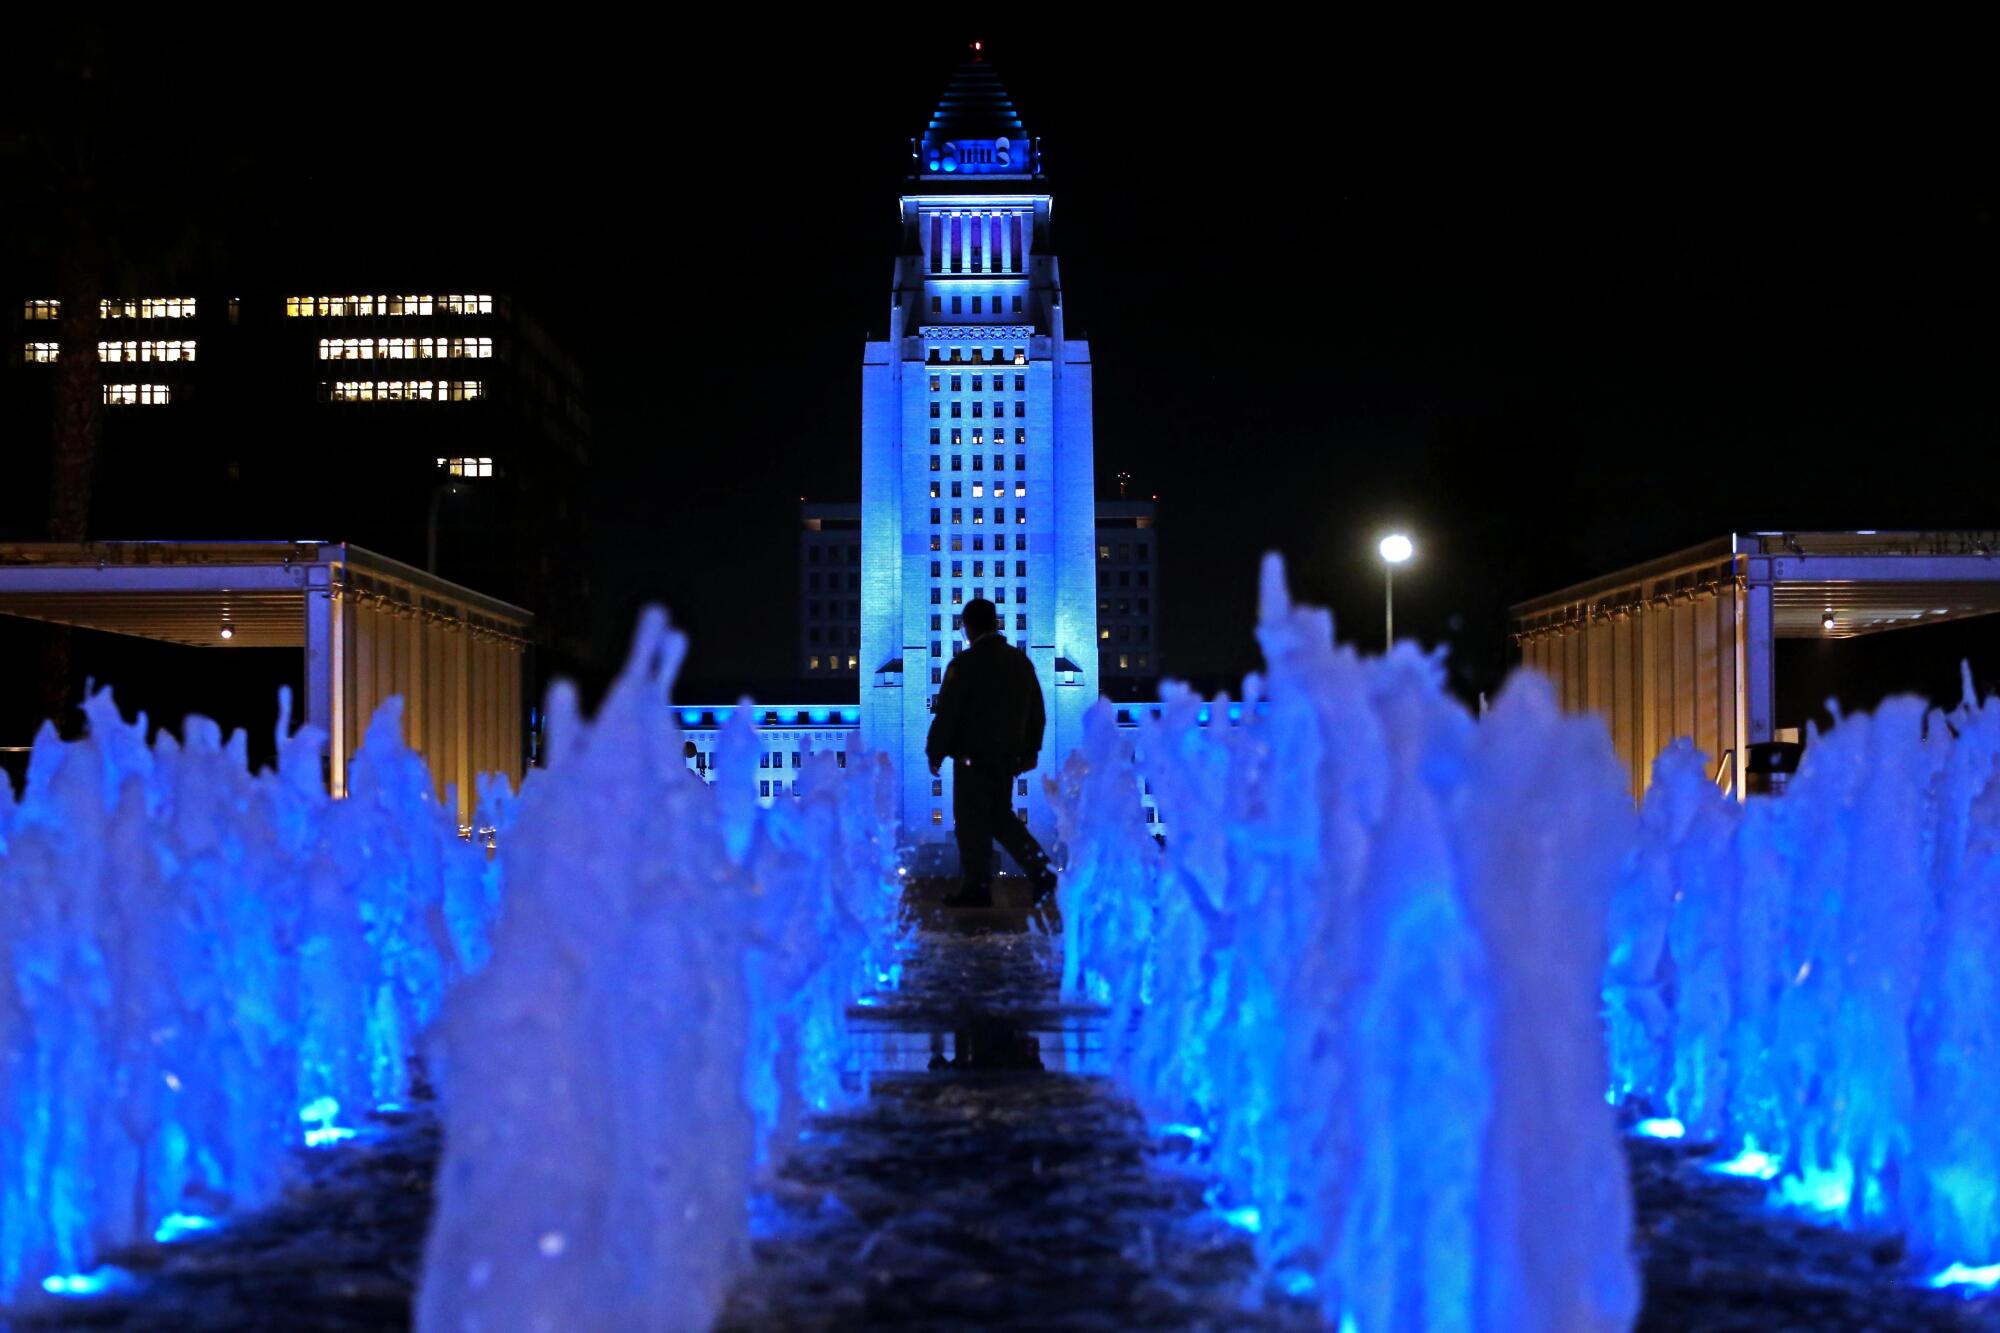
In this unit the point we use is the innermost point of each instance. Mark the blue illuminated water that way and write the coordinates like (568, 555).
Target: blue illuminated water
(204, 967)
(1809, 981)
(664, 1003)
(1364, 971)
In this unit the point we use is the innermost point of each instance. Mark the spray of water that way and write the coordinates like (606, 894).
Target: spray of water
(1809, 981)
(206, 970)
(664, 1003)
(1362, 976)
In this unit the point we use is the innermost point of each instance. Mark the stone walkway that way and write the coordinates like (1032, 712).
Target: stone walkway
(994, 1179)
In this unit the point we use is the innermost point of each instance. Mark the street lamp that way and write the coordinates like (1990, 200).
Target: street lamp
(1395, 549)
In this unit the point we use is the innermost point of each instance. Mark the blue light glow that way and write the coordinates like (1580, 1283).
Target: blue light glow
(820, 714)
(1750, 1163)
(176, 1225)
(1245, 1219)
(1297, 1282)
(1660, 1129)
(1960, 1275)
(1194, 1133)
(690, 717)
(1820, 1191)
(320, 1113)
(327, 1135)
(850, 715)
(94, 1283)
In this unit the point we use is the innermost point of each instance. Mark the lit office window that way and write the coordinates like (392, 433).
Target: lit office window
(404, 349)
(332, 307)
(405, 391)
(149, 349)
(467, 467)
(136, 395)
(151, 307)
(41, 309)
(41, 353)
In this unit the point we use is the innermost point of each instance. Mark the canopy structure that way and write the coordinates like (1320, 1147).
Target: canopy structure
(370, 627)
(1682, 646)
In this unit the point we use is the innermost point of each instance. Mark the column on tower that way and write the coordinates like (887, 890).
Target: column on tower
(936, 233)
(1003, 226)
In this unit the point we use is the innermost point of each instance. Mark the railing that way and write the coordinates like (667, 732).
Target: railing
(1725, 771)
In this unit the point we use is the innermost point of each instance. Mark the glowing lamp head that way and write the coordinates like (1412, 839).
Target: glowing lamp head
(1396, 548)
(227, 631)
(1826, 622)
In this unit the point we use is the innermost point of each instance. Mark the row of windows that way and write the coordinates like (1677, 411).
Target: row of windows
(978, 441)
(833, 663)
(978, 460)
(704, 760)
(832, 581)
(958, 409)
(467, 467)
(1124, 551)
(297, 307)
(937, 305)
(979, 384)
(413, 349)
(979, 570)
(1124, 634)
(1126, 579)
(1104, 608)
(1128, 661)
(404, 391)
(832, 608)
(833, 553)
(979, 490)
(151, 307)
(976, 356)
(137, 395)
(979, 515)
(151, 349)
(834, 635)
(999, 541)
(958, 597)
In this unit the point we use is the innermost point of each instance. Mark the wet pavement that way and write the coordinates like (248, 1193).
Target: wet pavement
(994, 1178)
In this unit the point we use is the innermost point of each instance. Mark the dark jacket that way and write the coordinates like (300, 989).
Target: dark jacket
(989, 707)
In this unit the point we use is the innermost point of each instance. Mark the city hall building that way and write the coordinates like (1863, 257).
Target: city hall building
(977, 475)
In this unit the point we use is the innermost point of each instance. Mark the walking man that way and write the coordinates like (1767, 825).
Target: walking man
(989, 719)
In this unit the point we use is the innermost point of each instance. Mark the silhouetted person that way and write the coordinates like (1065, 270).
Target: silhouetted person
(988, 717)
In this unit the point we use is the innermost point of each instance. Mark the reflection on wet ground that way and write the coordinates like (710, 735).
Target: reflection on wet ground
(994, 1178)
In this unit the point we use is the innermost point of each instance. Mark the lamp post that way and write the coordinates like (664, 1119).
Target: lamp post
(1395, 549)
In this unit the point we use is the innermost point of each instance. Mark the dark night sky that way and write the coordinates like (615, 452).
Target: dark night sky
(1552, 320)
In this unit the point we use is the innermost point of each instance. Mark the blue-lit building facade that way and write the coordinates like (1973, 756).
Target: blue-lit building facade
(977, 475)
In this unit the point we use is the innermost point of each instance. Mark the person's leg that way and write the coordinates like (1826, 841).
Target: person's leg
(972, 826)
(1012, 833)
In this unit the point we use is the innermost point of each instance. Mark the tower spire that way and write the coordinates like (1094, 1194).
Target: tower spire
(975, 130)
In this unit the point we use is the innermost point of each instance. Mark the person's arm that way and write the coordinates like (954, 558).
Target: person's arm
(945, 713)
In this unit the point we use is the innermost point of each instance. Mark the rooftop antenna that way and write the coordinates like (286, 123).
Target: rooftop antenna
(1123, 478)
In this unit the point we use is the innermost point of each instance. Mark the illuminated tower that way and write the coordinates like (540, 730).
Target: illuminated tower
(976, 466)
